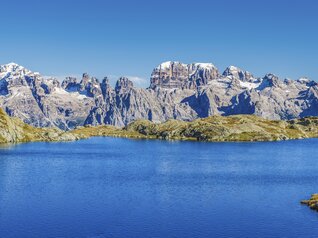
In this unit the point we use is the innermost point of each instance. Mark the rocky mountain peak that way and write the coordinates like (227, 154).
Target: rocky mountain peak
(105, 80)
(106, 87)
(10, 67)
(13, 70)
(70, 84)
(306, 81)
(178, 75)
(85, 79)
(168, 65)
(123, 85)
(270, 80)
(233, 71)
(88, 86)
(204, 66)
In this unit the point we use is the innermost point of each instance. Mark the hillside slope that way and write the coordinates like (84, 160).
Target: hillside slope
(13, 130)
(214, 128)
(231, 128)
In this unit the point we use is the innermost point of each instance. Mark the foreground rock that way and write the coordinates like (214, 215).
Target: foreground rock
(312, 202)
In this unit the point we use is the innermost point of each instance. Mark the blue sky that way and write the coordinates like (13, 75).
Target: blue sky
(130, 38)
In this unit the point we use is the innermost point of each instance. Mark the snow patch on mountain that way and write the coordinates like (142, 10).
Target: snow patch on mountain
(249, 85)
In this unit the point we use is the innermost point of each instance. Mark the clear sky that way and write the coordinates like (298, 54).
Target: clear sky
(114, 38)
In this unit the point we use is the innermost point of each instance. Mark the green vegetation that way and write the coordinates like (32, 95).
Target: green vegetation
(232, 128)
(214, 128)
(106, 130)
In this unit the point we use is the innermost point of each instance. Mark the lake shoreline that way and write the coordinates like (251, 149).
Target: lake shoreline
(237, 128)
(150, 187)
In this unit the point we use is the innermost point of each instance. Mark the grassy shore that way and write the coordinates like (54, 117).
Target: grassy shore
(214, 128)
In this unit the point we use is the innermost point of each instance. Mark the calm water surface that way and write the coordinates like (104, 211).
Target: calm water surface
(120, 188)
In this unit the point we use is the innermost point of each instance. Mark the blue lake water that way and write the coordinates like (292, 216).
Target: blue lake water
(121, 188)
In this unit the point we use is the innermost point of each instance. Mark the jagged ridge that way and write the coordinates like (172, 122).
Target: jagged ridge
(177, 91)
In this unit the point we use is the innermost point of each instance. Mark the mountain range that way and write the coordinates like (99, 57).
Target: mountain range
(176, 91)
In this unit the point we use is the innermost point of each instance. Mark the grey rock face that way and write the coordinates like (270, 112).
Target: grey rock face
(177, 91)
(178, 75)
(89, 87)
(41, 102)
(3, 87)
(238, 73)
(123, 85)
(126, 103)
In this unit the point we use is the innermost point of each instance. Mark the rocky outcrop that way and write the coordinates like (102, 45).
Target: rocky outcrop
(177, 91)
(231, 128)
(312, 203)
(237, 73)
(125, 103)
(89, 87)
(13, 130)
(177, 75)
(39, 101)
